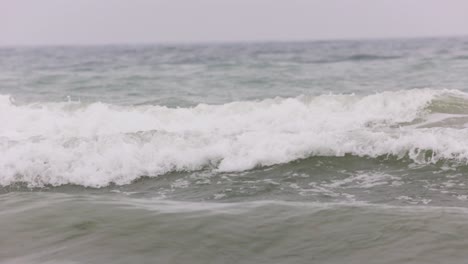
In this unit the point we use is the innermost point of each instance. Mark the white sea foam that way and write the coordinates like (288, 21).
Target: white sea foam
(97, 144)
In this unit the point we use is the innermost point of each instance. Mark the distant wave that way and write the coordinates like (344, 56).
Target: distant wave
(366, 57)
(356, 58)
(98, 144)
(462, 57)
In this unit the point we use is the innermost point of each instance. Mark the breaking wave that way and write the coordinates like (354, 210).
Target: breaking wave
(98, 144)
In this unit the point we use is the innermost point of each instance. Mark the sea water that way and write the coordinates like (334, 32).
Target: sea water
(306, 152)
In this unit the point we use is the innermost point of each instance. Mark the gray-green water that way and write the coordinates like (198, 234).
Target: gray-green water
(312, 152)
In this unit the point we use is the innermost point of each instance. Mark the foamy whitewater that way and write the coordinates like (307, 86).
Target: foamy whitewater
(97, 144)
(310, 152)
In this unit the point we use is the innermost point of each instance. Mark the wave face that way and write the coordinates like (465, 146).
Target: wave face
(98, 144)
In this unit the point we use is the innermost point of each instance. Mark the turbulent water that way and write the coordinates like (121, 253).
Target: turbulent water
(310, 152)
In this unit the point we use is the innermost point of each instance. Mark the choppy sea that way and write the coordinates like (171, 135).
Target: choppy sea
(305, 152)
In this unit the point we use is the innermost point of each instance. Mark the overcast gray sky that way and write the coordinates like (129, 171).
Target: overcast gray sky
(143, 21)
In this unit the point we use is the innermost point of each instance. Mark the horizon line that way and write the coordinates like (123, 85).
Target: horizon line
(227, 42)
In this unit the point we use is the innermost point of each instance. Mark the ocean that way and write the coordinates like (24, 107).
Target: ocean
(346, 151)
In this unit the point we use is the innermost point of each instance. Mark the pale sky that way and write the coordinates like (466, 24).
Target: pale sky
(39, 22)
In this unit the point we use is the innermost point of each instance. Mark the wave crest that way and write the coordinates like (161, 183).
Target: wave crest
(98, 144)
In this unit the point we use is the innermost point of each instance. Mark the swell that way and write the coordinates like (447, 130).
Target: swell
(370, 57)
(356, 58)
(98, 144)
(460, 57)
